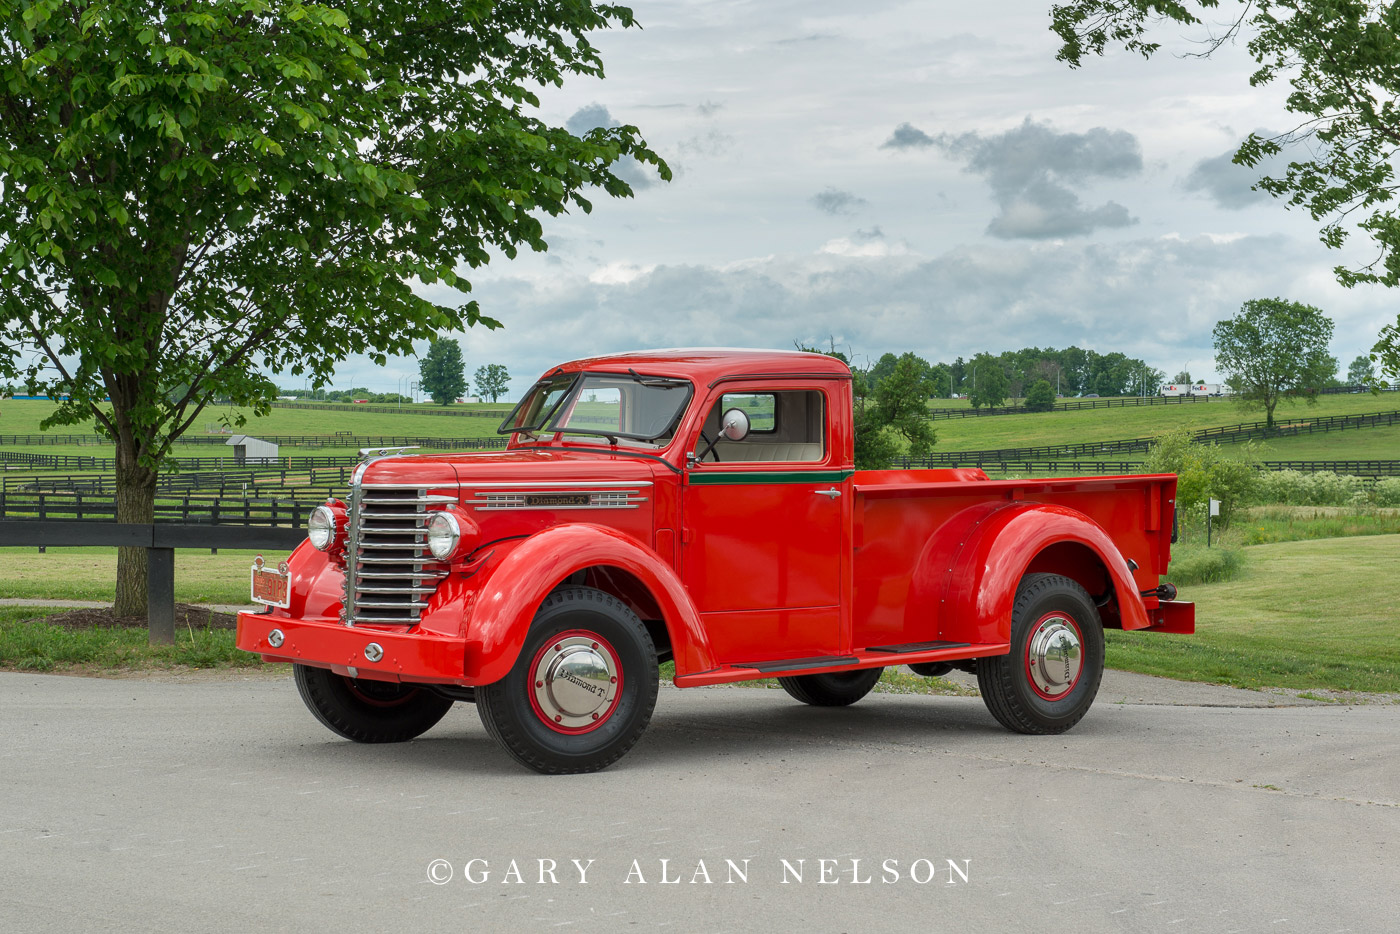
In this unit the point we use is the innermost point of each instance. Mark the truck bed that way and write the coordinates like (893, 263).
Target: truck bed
(914, 533)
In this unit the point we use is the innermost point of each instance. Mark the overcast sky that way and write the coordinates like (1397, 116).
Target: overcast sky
(907, 176)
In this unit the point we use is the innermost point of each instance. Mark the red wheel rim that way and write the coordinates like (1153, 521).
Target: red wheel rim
(575, 682)
(1054, 657)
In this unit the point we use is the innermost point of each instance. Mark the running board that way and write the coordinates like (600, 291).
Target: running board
(804, 664)
(909, 648)
(875, 657)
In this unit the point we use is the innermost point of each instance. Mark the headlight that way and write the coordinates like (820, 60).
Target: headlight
(444, 535)
(322, 527)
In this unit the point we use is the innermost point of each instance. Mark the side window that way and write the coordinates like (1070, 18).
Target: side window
(760, 407)
(785, 426)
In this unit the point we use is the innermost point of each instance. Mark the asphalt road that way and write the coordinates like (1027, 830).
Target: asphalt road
(222, 805)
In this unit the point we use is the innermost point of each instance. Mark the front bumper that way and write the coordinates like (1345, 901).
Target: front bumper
(408, 655)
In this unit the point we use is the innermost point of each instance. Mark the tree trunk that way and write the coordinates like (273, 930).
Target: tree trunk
(136, 502)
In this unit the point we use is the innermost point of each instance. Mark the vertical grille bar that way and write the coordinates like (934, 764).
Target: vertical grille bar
(392, 574)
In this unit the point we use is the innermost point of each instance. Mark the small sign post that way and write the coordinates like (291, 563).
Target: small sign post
(1212, 512)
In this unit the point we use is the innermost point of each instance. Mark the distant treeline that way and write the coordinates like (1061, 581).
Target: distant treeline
(1072, 371)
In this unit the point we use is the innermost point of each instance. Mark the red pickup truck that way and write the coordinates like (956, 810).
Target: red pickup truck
(701, 507)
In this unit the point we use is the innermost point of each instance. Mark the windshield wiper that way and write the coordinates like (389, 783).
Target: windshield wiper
(654, 382)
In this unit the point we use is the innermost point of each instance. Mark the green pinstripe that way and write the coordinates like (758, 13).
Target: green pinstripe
(706, 476)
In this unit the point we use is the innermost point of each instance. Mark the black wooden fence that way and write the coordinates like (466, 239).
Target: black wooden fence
(1372, 469)
(160, 542)
(1075, 405)
(1226, 434)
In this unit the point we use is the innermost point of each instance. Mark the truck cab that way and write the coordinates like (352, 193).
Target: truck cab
(699, 507)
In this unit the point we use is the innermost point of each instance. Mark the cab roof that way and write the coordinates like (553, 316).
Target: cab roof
(703, 365)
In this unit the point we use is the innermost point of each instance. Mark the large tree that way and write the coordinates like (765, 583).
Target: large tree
(901, 404)
(1341, 59)
(194, 195)
(989, 382)
(492, 380)
(1275, 350)
(442, 372)
(1361, 372)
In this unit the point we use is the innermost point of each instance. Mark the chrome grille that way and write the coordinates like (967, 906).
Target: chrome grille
(392, 573)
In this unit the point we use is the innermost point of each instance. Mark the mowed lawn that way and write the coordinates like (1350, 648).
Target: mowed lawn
(1307, 614)
(91, 574)
(1037, 429)
(23, 417)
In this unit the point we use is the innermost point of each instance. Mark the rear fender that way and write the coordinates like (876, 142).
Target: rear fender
(979, 588)
(506, 604)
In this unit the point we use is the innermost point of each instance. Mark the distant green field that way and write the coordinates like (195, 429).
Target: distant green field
(1030, 430)
(23, 417)
(1034, 430)
(1361, 444)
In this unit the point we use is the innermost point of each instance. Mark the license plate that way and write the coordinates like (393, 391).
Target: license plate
(270, 585)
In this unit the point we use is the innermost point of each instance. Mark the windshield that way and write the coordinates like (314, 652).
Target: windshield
(608, 405)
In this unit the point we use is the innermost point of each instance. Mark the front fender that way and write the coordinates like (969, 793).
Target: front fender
(979, 589)
(506, 604)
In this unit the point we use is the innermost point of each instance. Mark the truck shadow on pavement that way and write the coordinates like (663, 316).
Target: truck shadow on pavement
(752, 724)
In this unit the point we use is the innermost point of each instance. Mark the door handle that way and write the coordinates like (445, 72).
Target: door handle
(829, 494)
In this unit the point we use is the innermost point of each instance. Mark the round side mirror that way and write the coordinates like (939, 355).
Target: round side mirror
(734, 426)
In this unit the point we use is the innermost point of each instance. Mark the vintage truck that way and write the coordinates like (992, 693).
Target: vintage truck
(701, 507)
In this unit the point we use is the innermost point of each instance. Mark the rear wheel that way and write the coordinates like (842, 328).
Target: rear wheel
(840, 689)
(369, 711)
(1050, 678)
(583, 689)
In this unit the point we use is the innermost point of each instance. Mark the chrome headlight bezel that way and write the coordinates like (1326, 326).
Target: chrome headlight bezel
(322, 528)
(444, 535)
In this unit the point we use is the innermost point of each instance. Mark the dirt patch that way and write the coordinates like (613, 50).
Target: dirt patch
(187, 616)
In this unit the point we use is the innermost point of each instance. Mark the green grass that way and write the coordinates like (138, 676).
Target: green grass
(91, 574)
(23, 417)
(27, 644)
(1355, 444)
(1268, 525)
(1303, 614)
(1035, 430)
(1199, 564)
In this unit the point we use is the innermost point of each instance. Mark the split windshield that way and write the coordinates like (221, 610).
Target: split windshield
(614, 406)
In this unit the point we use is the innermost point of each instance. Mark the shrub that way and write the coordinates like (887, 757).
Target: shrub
(1040, 397)
(1387, 492)
(1204, 473)
(1197, 564)
(1324, 488)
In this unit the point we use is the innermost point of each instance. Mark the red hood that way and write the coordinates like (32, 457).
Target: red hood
(429, 469)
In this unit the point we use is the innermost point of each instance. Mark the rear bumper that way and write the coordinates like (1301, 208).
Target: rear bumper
(408, 655)
(1172, 616)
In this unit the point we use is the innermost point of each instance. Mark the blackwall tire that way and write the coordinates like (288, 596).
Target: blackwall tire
(583, 689)
(1049, 679)
(369, 711)
(840, 689)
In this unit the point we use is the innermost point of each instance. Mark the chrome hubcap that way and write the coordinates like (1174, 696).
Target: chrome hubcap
(1054, 657)
(575, 682)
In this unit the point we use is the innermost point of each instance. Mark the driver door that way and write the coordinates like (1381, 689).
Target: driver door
(764, 549)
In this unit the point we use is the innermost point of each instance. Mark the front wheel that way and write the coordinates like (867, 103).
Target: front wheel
(1051, 675)
(583, 689)
(834, 690)
(369, 711)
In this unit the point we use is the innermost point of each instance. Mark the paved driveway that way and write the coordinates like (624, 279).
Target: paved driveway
(221, 805)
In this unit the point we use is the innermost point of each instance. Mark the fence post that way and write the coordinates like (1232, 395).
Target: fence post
(160, 595)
